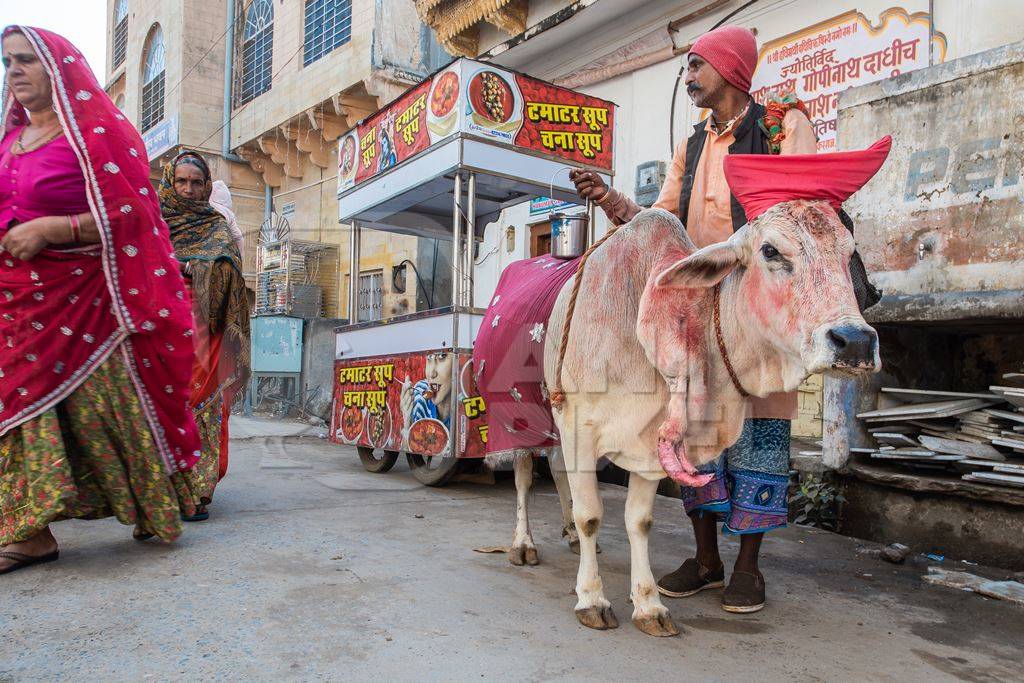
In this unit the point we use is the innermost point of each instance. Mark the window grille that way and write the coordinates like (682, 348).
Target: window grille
(371, 296)
(120, 32)
(153, 81)
(257, 50)
(328, 26)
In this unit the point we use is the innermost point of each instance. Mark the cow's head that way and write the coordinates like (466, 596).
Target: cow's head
(790, 290)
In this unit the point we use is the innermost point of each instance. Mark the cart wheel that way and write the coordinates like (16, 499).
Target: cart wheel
(375, 464)
(432, 470)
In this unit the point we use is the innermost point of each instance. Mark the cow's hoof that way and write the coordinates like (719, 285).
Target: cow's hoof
(600, 618)
(660, 625)
(520, 555)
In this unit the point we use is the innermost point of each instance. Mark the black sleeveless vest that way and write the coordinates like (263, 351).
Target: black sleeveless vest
(749, 137)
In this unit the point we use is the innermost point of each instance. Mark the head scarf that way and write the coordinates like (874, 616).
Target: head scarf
(760, 181)
(146, 293)
(732, 51)
(199, 232)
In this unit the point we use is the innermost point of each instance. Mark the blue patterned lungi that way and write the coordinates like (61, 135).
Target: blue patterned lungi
(749, 492)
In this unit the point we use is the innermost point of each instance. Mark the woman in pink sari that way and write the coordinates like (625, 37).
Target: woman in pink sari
(95, 325)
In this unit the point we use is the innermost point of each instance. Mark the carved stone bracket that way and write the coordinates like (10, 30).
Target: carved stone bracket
(273, 174)
(309, 141)
(384, 86)
(282, 152)
(355, 108)
(330, 126)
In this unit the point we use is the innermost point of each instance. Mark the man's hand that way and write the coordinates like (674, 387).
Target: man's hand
(588, 185)
(25, 240)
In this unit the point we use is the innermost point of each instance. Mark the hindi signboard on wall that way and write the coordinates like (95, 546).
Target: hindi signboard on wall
(820, 61)
(480, 100)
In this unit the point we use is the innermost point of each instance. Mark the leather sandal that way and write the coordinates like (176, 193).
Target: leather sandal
(21, 560)
(745, 593)
(691, 578)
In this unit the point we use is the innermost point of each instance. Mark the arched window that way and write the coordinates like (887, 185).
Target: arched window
(152, 80)
(328, 25)
(257, 50)
(120, 32)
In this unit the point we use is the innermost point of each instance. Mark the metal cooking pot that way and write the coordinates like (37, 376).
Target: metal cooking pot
(569, 235)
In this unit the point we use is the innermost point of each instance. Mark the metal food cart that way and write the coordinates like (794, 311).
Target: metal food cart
(443, 161)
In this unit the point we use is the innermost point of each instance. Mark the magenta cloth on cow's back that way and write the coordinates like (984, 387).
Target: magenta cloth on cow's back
(508, 356)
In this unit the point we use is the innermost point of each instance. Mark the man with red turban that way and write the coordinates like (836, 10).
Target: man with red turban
(749, 489)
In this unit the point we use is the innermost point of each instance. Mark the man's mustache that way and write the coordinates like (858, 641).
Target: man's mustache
(692, 88)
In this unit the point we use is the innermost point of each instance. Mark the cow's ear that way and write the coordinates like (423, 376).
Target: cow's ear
(703, 268)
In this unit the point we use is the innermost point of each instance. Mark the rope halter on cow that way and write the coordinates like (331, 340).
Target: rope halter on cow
(557, 395)
(717, 296)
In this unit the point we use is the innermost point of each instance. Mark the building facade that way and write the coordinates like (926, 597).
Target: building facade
(263, 89)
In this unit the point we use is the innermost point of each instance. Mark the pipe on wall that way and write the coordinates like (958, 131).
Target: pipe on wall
(229, 68)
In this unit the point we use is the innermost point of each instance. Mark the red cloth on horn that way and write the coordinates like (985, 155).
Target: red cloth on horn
(732, 51)
(760, 181)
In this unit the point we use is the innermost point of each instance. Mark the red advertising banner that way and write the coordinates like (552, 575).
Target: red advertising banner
(480, 100)
(565, 123)
(403, 403)
(393, 134)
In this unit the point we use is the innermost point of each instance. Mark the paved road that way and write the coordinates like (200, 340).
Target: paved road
(312, 569)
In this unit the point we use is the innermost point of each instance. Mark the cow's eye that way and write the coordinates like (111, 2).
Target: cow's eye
(769, 252)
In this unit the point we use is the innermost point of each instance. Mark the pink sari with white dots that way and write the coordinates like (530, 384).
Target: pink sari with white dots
(64, 312)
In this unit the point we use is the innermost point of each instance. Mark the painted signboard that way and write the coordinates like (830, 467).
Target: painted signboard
(820, 61)
(541, 206)
(403, 403)
(481, 100)
(161, 137)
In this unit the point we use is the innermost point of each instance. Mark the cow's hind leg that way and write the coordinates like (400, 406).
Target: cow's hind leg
(592, 608)
(649, 615)
(557, 463)
(522, 550)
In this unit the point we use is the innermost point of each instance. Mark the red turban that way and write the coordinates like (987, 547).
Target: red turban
(732, 50)
(760, 181)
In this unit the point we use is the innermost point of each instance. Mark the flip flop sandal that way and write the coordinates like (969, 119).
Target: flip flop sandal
(140, 534)
(21, 560)
(198, 517)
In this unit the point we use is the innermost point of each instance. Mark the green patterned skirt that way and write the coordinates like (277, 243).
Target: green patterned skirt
(92, 456)
(196, 486)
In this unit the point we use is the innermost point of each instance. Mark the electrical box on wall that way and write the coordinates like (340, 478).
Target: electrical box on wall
(649, 177)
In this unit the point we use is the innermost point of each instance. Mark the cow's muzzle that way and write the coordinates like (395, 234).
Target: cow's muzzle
(854, 348)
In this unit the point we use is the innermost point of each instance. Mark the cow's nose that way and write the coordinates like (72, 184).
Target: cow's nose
(854, 346)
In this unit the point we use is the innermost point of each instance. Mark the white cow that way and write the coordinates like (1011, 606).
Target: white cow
(644, 377)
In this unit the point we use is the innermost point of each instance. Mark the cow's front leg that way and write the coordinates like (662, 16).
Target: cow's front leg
(592, 608)
(523, 551)
(649, 615)
(557, 463)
